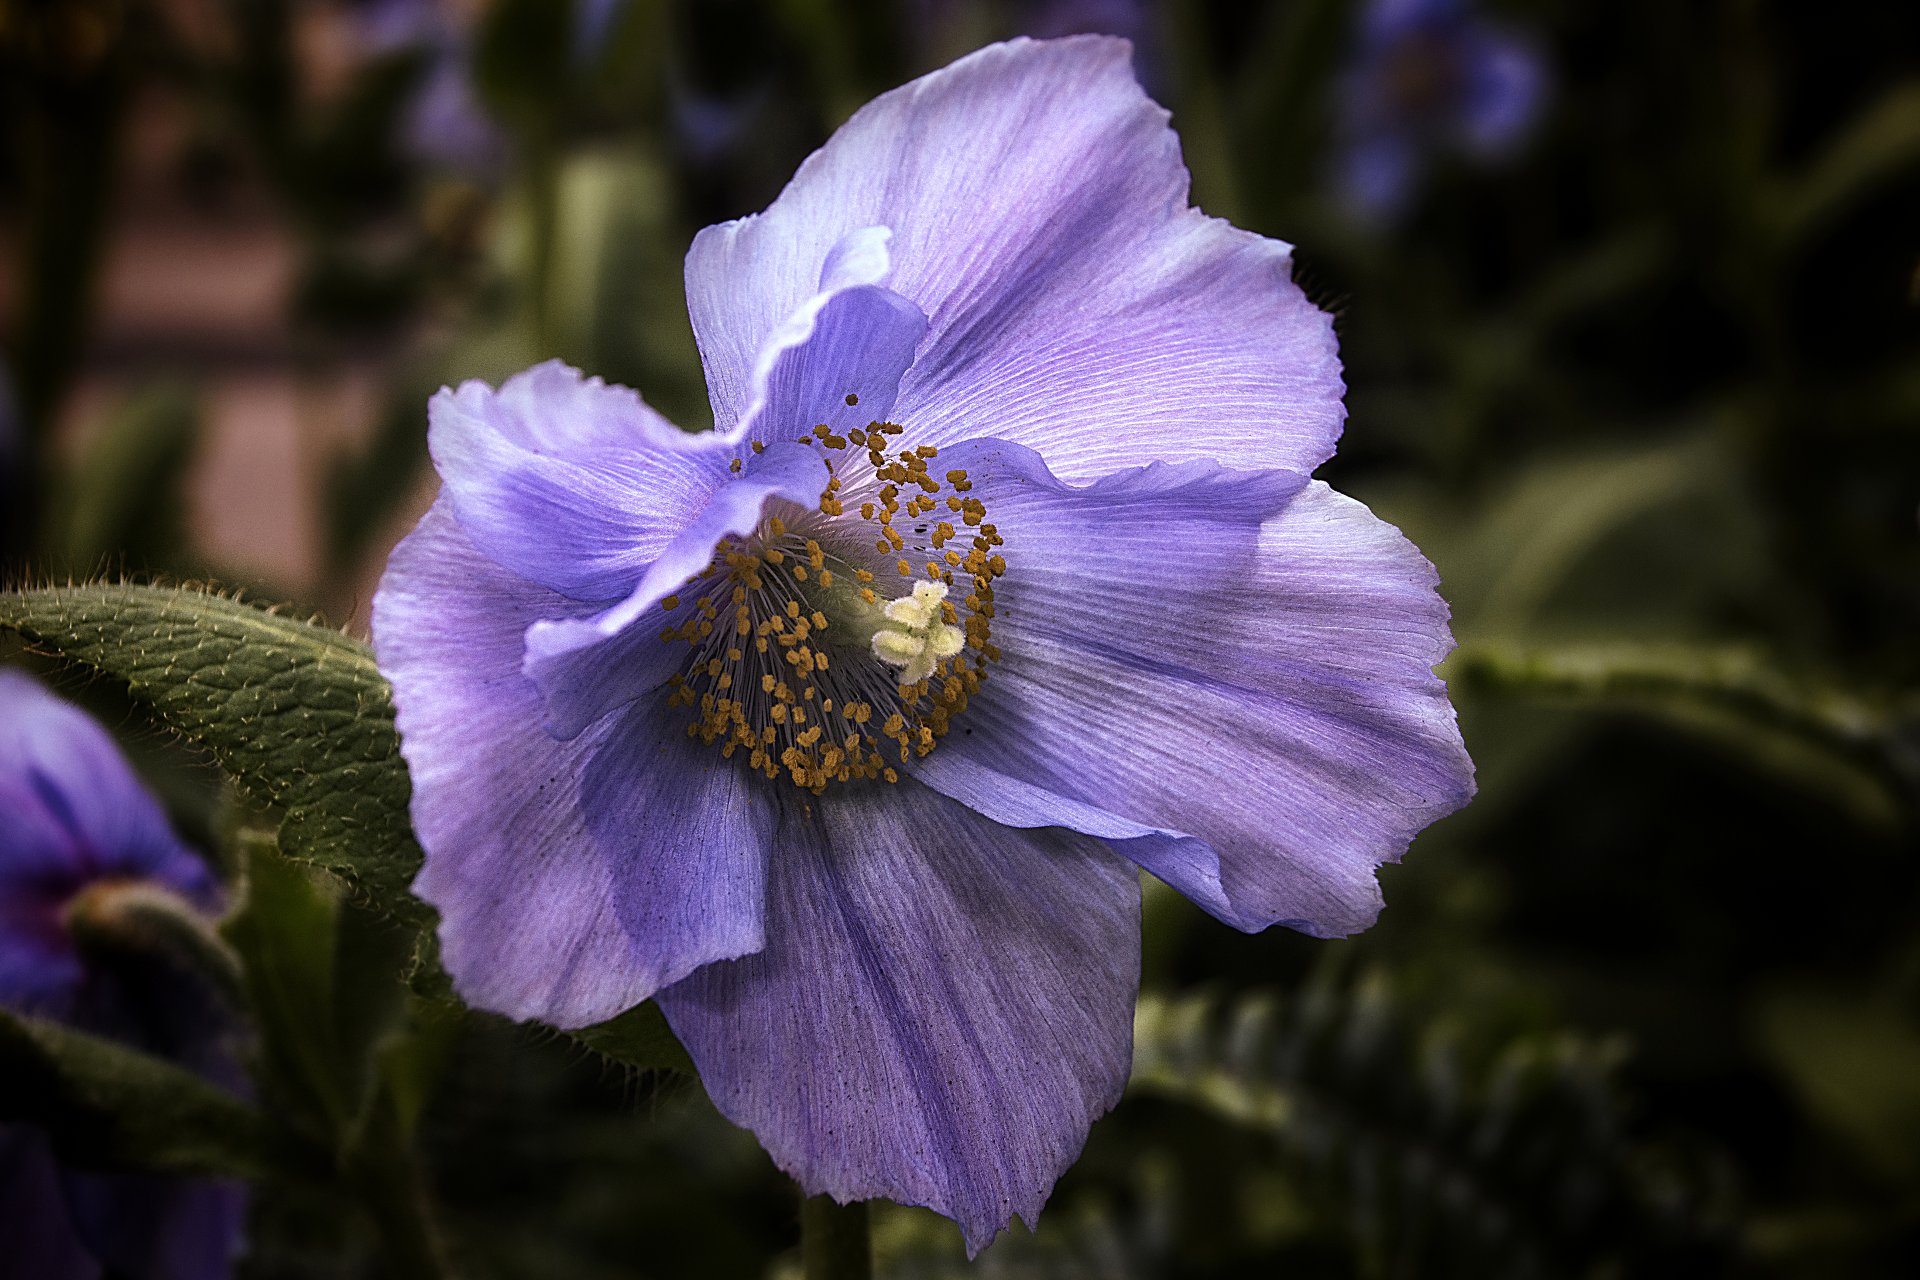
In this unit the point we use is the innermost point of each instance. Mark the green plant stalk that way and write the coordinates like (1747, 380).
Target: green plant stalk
(1724, 679)
(836, 1240)
(543, 225)
(387, 1181)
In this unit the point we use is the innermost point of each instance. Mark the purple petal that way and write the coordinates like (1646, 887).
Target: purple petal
(544, 912)
(1231, 683)
(570, 482)
(587, 666)
(74, 799)
(943, 1008)
(1038, 208)
(1385, 20)
(851, 340)
(837, 361)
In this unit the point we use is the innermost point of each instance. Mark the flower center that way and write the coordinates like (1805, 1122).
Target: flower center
(801, 655)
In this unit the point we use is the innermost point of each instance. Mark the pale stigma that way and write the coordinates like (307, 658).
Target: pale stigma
(916, 634)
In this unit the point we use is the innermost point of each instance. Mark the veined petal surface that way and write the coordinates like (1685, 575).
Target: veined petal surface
(569, 482)
(587, 666)
(943, 1007)
(1039, 217)
(838, 359)
(548, 910)
(1229, 677)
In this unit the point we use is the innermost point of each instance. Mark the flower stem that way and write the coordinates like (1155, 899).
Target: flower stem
(835, 1240)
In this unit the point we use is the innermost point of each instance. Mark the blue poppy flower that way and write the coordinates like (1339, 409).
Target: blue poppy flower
(74, 822)
(843, 729)
(1430, 76)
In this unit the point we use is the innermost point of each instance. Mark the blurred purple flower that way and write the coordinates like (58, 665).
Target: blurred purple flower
(447, 127)
(849, 753)
(1132, 19)
(940, 23)
(709, 126)
(593, 22)
(74, 820)
(1429, 76)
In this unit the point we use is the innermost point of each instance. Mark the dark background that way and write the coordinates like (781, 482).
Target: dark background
(1646, 388)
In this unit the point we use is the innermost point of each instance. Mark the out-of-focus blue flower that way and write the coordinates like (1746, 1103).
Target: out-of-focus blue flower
(938, 22)
(1427, 77)
(709, 126)
(447, 127)
(1132, 19)
(593, 22)
(74, 821)
(844, 729)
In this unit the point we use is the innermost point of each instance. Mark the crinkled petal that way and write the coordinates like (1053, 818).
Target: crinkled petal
(587, 666)
(1232, 684)
(1039, 212)
(567, 481)
(943, 1008)
(838, 360)
(850, 341)
(548, 912)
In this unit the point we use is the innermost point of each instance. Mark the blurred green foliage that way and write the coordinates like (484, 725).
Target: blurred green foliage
(1648, 395)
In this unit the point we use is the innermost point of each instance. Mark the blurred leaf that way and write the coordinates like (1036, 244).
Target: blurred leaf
(1880, 143)
(323, 981)
(522, 61)
(363, 489)
(342, 1047)
(107, 1105)
(1554, 514)
(124, 501)
(617, 254)
(1856, 1062)
(410, 1065)
(296, 713)
(1601, 272)
(1443, 1158)
(1812, 736)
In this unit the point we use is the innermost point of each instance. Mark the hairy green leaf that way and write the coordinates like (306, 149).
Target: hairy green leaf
(324, 984)
(106, 1105)
(301, 717)
(297, 713)
(640, 1038)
